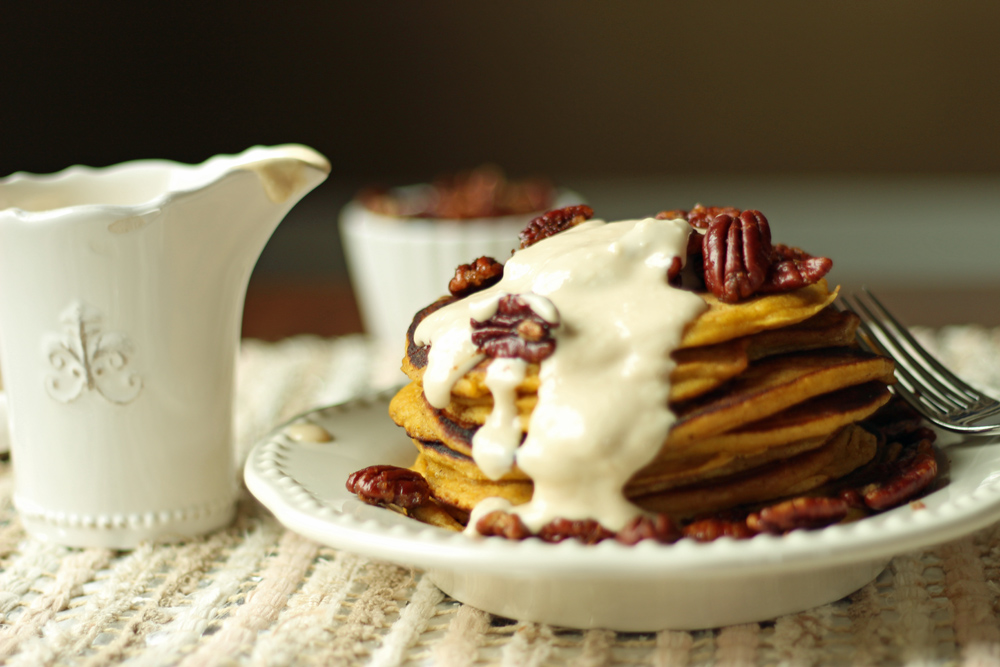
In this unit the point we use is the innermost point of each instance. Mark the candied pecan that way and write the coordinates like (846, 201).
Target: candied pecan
(896, 418)
(674, 272)
(693, 250)
(914, 474)
(480, 274)
(710, 529)
(503, 524)
(672, 214)
(737, 255)
(553, 222)
(918, 435)
(853, 498)
(515, 330)
(389, 484)
(483, 192)
(587, 531)
(791, 269)
(798, 513)
(486, 192)
(700, 217)
(660, 528)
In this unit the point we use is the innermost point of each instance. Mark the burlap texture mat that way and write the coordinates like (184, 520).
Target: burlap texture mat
(261, 595)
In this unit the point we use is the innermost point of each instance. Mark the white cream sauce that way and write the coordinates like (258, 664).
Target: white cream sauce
(602, 401)
(496, 441)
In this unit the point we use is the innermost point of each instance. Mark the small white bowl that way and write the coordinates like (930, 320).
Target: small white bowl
(399, 265)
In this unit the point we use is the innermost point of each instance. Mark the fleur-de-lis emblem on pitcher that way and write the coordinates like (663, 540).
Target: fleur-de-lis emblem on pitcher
(85, 358)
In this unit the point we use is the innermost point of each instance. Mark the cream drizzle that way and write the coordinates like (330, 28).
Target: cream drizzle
(602, 401)
(496, 441)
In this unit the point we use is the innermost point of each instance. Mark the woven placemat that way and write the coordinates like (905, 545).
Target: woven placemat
(258, 594)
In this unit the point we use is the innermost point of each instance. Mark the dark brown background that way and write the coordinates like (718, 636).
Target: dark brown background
(397, 92)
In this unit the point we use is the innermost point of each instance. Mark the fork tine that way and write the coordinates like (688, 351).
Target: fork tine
(923, 357)
(907, 387)
(919, 403)
(915, 387)
(930, 390)
(922, 383)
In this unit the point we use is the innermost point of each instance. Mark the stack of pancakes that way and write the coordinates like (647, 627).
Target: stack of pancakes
(768, 394)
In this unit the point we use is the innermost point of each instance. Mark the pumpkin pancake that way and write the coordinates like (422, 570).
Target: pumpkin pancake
(849, 449)
(698, 371)
(772, 385)
(726, 321)
(719, 323)
(800, 428)
(455, 489)
(700, 487)
(827, 328)
(811, 418)
(671, 473)
(767, 388)
(771, 396)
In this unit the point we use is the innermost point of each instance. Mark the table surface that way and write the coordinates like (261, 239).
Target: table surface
(258, 594)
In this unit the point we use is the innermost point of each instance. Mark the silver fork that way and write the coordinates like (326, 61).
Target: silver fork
(923, 382)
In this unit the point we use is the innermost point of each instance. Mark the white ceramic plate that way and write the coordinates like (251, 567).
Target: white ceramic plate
(647, 587)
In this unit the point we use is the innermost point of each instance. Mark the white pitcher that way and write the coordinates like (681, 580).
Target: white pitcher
(121, 296)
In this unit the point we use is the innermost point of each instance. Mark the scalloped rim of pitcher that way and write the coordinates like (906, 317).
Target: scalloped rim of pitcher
(139, 208)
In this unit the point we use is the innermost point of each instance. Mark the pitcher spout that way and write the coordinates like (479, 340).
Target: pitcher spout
(286, 172)
(232, 203)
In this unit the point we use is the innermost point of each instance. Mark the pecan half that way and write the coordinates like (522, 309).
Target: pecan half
(587, 531)
(515, 330)
(660, 528)
(914, 474)
(700, 217)
(483, 192)
(791, 269)
(798, 513)
(737, 254)
(897, 418)
(502, 524)
(471, 278)
(389, 484)
(853, 498)
(710, 529)
(551, 223)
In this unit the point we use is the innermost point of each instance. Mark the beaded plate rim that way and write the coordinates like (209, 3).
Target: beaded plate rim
(303, 485)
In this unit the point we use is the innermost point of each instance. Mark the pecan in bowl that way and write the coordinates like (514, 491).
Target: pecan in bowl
(484, 192)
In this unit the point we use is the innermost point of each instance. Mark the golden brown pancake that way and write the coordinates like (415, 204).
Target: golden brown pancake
(453, 487)
(814, 417)
(767, 392)
(772, 385)
(846, 451)
(767, 388)
(795, 469)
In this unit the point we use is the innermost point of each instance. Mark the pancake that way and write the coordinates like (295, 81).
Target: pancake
(774, 384)
(849, 449)
(810, 418)
(698, 488)
(769, 395)
(462, 493)
(767, 388)
(698, 371)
